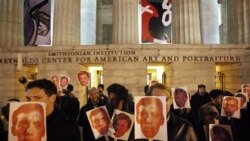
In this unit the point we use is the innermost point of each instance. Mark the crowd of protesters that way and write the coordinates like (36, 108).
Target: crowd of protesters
(67, 121)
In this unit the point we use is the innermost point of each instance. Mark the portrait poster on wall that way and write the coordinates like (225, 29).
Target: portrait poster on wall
(27, 121)
(150, 117)
(122, 123)
(156, 20)
(99, 121)
(37, 23)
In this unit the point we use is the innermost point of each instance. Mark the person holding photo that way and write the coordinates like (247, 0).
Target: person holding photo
(179, 129)
(92, 102)
(59, 127)
(28, 122)
(150, 116)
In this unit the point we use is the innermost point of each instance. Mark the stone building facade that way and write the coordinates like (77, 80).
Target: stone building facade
(186, 62)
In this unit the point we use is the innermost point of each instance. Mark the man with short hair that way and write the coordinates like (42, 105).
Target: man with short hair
(103, 98)
(59, 127)
(199, 98)
(215, 99)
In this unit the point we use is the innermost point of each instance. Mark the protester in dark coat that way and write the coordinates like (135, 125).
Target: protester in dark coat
(59, 127)
(69, 103)
(93, 102)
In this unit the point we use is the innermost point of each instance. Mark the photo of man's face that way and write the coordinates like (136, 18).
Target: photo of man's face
(83, 78)
(220, 132)
(230, 105)
(180, 98)
(243, 99)
(121, 127)
(55, 80)
(122, 123)
(28, 122)
(245, 88)
(150, 116)
(99, 120)
(64, 81)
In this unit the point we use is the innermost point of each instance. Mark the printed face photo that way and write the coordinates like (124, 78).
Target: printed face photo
(99, 121)
(220, 132)
(122, 123)
(27, 121)
(180, 98)
(64, 81)
(150, 115)
(83, 78)
(231, 106)
(243, 99)
(55, 80)
(245, 88)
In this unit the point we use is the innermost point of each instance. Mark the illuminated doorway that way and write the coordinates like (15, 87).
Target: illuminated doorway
(96, 73)
(227, 77)
(158, 72)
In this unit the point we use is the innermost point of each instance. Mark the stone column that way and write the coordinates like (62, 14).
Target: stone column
(186, 22)
(11, 23)
(209, 21)
(245, 67)
(125, 22)
(238, 21)
(7, 82)
(66, 22)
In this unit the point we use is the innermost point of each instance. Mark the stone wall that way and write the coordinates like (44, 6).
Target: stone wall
(127, 65)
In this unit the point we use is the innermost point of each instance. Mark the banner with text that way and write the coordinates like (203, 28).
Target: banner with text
(105, 56)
